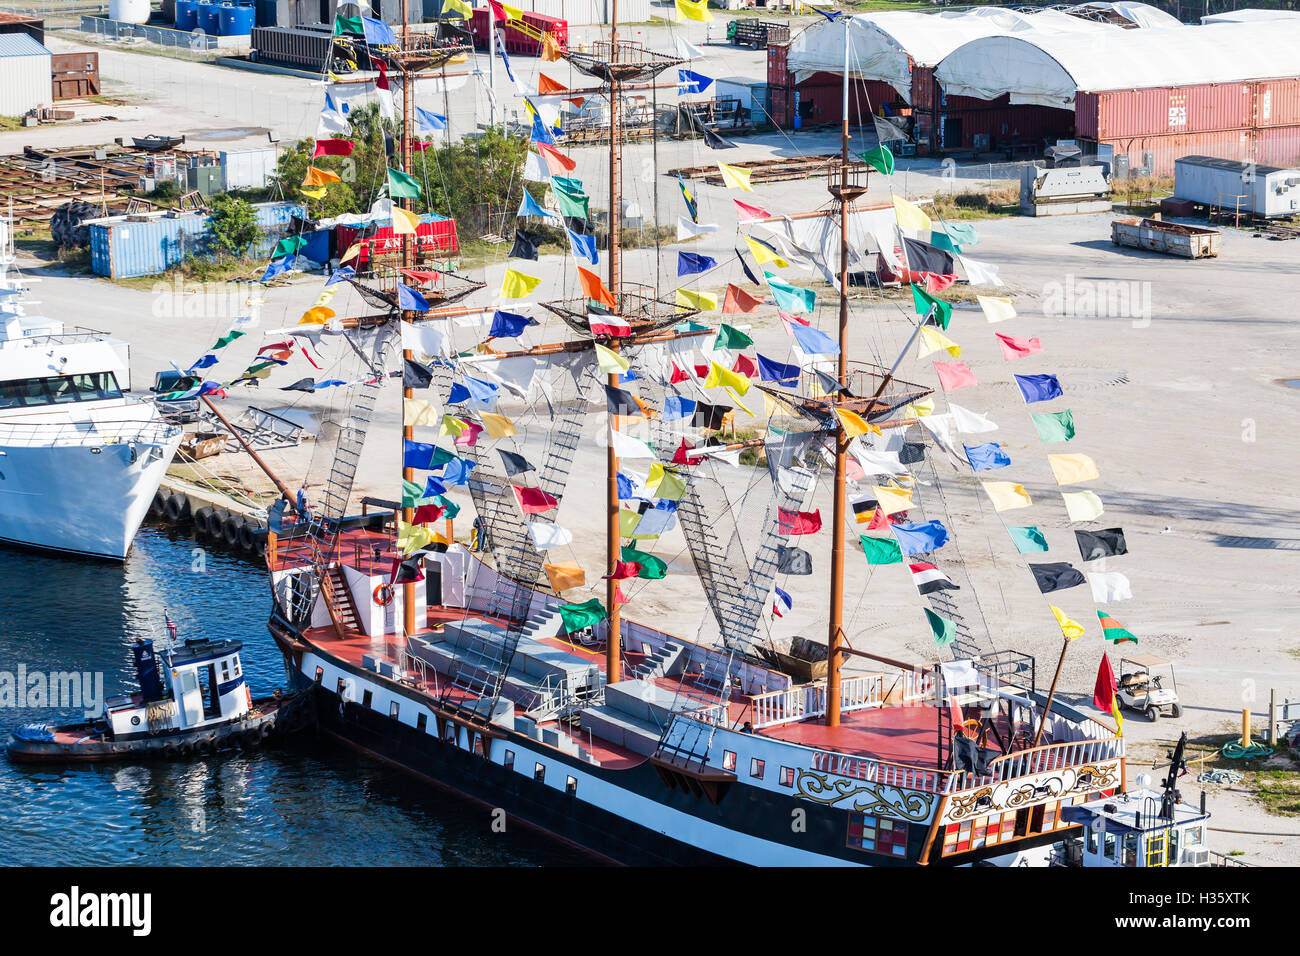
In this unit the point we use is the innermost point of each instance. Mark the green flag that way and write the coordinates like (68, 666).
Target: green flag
(945, 631)
(344, 25)
(791, 298)
(880, 159)
(731, 338)
(652, 568)
(412, 494)
(881, 550)
(962, 233)
(451, 508)
(573, 202)
(569, 184)
(288, 246)
(225, 340)
(925, 302)
(578, 616)
(402, 186)
(1028, 539)
(1055, 426)
(1112, 630)
(942, 240)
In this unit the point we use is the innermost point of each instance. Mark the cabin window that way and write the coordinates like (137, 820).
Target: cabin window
(539, 773)
(728, 760)
(225, 670)
(367, 697)
(234, 668)
(509, 761)
(1174, 837)
(422, 722)
(1090, 835)
(876, 834)
(756, 768)
(1194, 836)
(393, 709)
(320, 674)
(1108, 845)
(571, 786)
(30, 392)
(786, 778)
(988, 830)
(1129, 855)
(342, 686)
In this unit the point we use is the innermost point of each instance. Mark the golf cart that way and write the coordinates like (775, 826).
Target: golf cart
(1142, 686)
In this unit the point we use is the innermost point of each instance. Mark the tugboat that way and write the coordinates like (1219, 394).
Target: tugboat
(207, 708)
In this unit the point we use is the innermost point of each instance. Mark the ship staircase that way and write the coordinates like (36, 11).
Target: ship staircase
(332, 502)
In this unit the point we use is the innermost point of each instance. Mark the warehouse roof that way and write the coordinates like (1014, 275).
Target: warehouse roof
(1136, 14)
(20, 44)
(1251, 13)
(1049, 68)
(885, 46)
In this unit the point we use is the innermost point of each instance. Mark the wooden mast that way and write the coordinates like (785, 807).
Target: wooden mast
(408, 261)
(613, 636)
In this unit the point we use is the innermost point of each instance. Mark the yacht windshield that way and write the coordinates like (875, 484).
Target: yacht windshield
(31, 392)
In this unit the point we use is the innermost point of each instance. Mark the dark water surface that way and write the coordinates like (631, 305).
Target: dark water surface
(303, 801)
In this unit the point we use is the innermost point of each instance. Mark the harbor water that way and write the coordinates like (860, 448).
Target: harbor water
(302, 801)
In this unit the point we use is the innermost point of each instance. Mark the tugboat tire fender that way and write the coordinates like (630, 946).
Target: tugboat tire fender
(217, 523)
(234, 524)
(202, 517)
(178, 507)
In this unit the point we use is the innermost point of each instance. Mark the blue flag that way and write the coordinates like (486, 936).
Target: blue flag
(457, 472)
(427, 122)
(481, 390)
(921, 537)
(377, 32)
(676, 407)
(773, 371)
(508, 325)
(583, 247)
(540, 133)
(458, 394)
(410, 299)
(434, 487)
(207, 361)
(501, 48)
(689, 263)
(338, 275)
(1039, 388)
(745, 265)
(781, 602)
(626, 489)
(629, 376)
(691, 206)
(278, 267)
(813, 342)
(987, 456)
(693, 82)
(416, 454)
(529, 207)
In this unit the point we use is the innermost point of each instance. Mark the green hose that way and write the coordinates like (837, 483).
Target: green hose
(1235, 751)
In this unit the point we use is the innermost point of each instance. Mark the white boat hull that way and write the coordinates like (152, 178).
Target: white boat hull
(76, 500)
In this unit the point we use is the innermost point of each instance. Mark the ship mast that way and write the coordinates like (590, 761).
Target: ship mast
(614, 637)
(408, 261)
(844, 193)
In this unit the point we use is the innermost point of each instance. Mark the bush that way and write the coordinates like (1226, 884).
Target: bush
(233, 227)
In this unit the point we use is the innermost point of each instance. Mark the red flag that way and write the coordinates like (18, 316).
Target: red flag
(750, 213)
(382, 82)
(622, 571)
(418, 276)
(423, 144)
(1014, 348)
(1103, 692)
(533, 501)
(594, 288)
(746, 366)
(701, 371)
(930, 281)
(681, 458)
(618, 594)
(547, 85)
(332, 147)
(498, 11)
(788, 317)
(550, 153)
(799, 522)
(426, 513)
(678, 375)
(739, 302)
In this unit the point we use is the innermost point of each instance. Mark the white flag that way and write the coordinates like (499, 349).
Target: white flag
(535, 170)
(875, 461)
(330, 122)
(1108, 586)
(688, 51)
(655, 521)
(970, 422)
(548, 535)
(689, 230)
(625, 446)
(980, 273)
(996, 308)
(424, 339)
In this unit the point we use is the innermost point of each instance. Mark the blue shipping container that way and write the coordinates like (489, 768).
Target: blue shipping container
(123, 248)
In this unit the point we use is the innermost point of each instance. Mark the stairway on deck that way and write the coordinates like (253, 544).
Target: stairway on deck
(634, 714)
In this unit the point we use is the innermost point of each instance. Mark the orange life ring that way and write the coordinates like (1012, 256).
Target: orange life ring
(383, 595)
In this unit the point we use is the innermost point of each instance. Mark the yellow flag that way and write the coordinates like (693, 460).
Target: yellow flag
(565, 576)
(627, 522)
(451, 425)
(1082, 505)
(325, 298)
(694, 10)
(404, 222)
(892, 500)
(609, 361)
(314, 193)
(1071, 629)
(854, 424)
(932, 340)
(909, 216)
(412, 537)
(512, 13)
(725, 378)
(773, 405)
(551, 49)
(1007, 495)
(418, 412)
(656, 476)
(1070, 469)
(762, 253)
(458, 6)
(319, 177)
(733, 177)
(317, 315)
(919, 409)
(996, 308)
(517, 284)
(498, 426)
(351, 253)
(696, 300)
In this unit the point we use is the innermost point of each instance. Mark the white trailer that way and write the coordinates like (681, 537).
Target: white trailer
(1267, 191)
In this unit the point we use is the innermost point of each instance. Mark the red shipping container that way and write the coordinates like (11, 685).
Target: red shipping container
(782, 107)
(1277, 146)
(1234, 144)
(436, 239)
(778, 72)
(478, 27)
(925, 91)
(1000, 126)
(1277, 102)
(1160, 111)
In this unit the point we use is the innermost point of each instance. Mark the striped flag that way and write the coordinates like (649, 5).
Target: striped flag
(929, 579)
(781, 603)
(864, 508)
(1113, 631)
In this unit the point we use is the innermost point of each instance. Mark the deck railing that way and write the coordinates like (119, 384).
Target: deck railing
(88, 433)
(1036, 760)
(797, 703)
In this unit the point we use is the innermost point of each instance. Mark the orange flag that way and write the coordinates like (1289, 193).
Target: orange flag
(555, 158)
(564, 576)
(594, 288)
(319, 177)
(547, 85)
(550, 48)
(739, 302)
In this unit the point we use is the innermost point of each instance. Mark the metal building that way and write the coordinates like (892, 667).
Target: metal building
(25, 76)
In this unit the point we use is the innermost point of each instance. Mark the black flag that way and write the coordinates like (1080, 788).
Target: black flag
(714, 141)
(514, 464)
(794, 561)
(302, 385)
(923, 257)
(708, 416)
(1101, 544)
(415, 375)
(1056, 577)
(526, 244)
(620, 402)
(749, 274)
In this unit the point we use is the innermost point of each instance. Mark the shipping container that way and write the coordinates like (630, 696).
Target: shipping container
(781, 106)
(1156, 155)
(778, 72)
(74, 75)
(1277, 102)
(1277, 146)
(124, 247)
(1002, 127)
(435, 238)
(304, 46)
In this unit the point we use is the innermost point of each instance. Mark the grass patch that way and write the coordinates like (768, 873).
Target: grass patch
(10, 123)
(994, 204)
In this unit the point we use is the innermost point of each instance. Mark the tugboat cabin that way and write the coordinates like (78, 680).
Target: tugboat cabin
(1132, 830)
(207, 687)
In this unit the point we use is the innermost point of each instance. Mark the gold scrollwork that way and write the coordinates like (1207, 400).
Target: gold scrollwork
(867, 797)
(964, 804)
(1102, 778)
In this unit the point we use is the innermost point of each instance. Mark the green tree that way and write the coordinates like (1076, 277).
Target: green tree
(233, 227)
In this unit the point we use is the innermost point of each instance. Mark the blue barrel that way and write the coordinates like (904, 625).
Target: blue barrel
(187, 15)
(209, 22)
(235, 20)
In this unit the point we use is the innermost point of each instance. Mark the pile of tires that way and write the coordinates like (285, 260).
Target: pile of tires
(217, 525)
(66, 227)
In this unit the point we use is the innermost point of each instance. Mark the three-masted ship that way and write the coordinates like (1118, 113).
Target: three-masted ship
(470, 670)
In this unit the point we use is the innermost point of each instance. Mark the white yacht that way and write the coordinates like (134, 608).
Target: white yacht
(79, 460)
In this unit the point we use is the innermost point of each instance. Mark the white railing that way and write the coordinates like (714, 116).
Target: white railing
(87, 433)
(859, 692)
